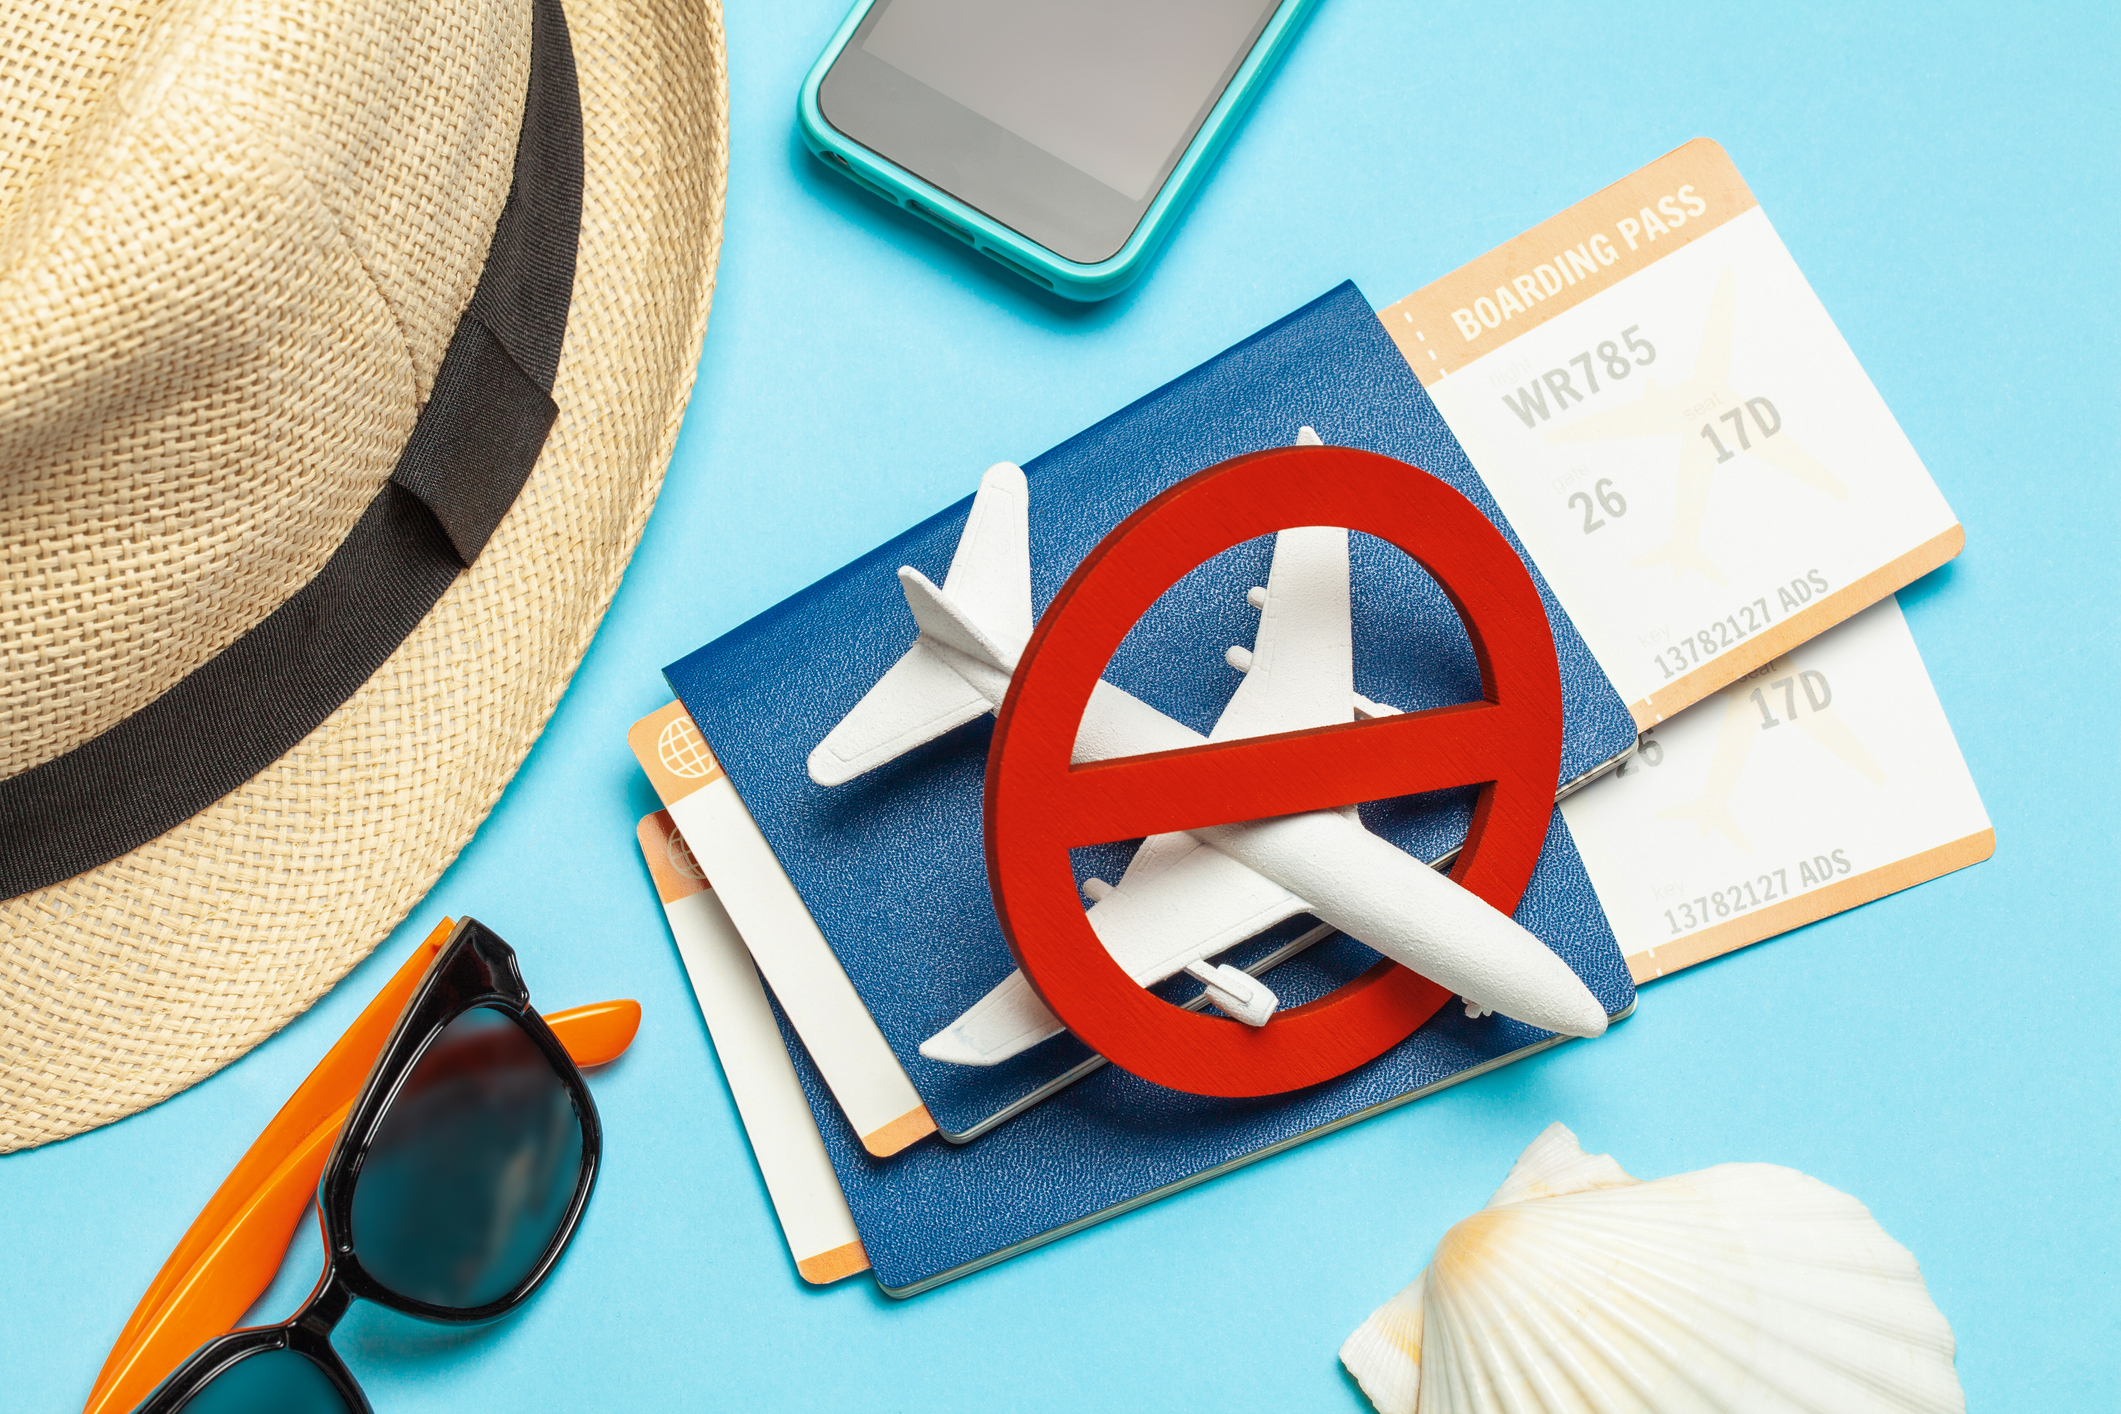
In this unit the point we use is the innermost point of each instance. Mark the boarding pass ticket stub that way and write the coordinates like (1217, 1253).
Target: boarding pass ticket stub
(1823, 779)
(851, 1054)
(1676, 429)
(769, 1099)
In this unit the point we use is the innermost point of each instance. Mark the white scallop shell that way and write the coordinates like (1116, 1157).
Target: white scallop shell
(1741, 1289)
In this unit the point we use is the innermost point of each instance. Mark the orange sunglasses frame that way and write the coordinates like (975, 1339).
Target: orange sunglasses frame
(233, 1249)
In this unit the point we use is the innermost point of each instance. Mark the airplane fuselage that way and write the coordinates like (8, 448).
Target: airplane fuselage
(1347, 876)
(1188, 896)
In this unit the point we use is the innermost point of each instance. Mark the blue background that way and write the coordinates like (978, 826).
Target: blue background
(1947, 1055)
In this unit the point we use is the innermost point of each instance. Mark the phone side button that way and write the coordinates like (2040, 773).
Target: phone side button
(846, 169)
(943, 221)
(1016, 266)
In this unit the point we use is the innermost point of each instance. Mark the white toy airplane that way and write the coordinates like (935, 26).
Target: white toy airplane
(1188, 896)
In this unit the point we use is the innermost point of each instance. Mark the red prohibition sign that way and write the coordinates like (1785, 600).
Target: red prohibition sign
(1039, 805)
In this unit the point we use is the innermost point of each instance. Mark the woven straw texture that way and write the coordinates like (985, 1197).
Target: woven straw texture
(235, 236)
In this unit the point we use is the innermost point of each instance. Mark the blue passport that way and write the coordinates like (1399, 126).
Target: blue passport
(892, 867)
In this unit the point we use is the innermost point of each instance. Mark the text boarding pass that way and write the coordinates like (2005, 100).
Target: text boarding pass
(1677, 430)
(1823, 779)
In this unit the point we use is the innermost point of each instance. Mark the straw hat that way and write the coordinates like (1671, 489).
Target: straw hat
(295, 556)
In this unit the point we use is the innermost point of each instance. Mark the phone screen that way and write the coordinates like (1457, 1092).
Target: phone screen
(1060, 120)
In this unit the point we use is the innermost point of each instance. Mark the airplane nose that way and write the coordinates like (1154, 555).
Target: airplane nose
(1561, 1005)
(1560, 1002)
(1586, 1017)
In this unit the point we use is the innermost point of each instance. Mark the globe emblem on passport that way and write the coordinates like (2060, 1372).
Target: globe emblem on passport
(683, 753)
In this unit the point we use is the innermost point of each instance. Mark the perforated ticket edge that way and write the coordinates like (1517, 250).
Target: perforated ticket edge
(1542, 281)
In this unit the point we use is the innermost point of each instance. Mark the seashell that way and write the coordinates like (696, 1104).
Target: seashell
(1740, 1289)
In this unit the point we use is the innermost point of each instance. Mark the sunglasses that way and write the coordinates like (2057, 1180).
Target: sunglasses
(456, 1178)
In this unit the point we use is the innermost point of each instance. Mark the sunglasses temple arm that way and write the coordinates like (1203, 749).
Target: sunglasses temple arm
(224, 1279)
(329, 1087)
(597, 1034)
(229, 1267)
(233, 1249)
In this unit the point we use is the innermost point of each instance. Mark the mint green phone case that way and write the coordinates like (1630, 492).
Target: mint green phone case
(1006, 247)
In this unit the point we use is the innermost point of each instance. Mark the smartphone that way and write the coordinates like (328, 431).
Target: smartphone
(1059, 137)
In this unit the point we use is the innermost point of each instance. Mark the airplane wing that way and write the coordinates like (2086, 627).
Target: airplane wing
(1711, 810)
(919, 699)
(1302, 671)
(1789, 456)
(1179, 901)
(990, 575)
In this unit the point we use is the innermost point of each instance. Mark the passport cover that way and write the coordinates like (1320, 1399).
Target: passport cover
(892, 866)
(1113, 1142)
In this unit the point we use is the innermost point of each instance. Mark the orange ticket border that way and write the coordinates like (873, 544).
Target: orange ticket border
(673, 753)
(828, 1267)
(1852, 892)
(1523, 283)
(1796, 630)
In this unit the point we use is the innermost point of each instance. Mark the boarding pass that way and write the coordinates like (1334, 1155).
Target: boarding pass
(857, 1063)
(1676, 429)
(1820, 780)
(806, 1196)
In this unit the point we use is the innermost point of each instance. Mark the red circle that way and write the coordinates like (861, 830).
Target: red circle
(1038, 804)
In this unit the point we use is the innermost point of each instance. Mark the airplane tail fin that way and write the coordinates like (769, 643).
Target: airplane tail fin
(1685, 557)
(990, 575)
(971, 631)
(947, 627)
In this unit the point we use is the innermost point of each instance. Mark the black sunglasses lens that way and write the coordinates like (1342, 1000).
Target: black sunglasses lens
(270, 1382)
(472, 1170)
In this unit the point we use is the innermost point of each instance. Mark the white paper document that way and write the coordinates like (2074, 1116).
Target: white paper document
(857, 1063)
(1672, 423)
(1821, 780)
(805, 1192)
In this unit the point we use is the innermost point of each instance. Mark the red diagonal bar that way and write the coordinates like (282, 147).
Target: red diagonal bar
(1255, 777)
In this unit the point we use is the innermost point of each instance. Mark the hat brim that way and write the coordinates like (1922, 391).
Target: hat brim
(126, 984)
